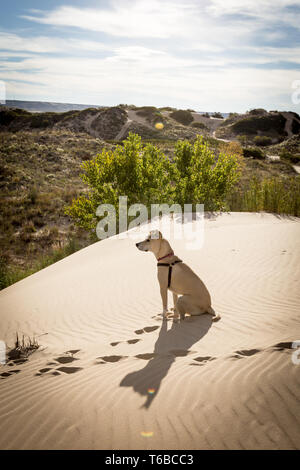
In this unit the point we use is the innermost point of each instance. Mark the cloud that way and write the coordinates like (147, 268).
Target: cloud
(190, 21)
(44, 44)
(134, 18)
(264, 11)
(249, 7)
(230, 90)
(148, 77)
(205, 55)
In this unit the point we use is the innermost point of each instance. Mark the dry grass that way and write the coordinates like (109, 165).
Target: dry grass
(23, 347)
(39, 175)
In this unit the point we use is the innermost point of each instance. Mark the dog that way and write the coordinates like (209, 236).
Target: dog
(176, 276)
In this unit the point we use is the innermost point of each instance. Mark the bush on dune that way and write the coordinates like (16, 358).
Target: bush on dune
(217, 115)
(145, 175)
(199, 125)
(262, 140)
(142, 173)
(182, 116)
(202, 178)
(252, 152)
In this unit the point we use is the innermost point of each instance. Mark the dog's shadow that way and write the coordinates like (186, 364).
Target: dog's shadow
(170, 344)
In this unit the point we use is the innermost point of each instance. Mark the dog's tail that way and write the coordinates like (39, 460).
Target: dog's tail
(216, 316)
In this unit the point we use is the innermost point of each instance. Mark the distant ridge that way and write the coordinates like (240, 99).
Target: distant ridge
(44, 106)
(48, 106)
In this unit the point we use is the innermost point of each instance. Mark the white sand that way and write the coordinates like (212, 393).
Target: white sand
(220, 385)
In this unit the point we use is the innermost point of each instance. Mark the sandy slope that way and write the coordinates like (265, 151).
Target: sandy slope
(230, 384)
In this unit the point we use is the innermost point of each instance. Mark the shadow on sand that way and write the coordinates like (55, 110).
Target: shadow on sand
(170, 344)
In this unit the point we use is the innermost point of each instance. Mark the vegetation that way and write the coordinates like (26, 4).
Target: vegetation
(146, 175)
(9, 115)
(291, 157)
(23, 348)
(199, 125)
(40, 175)
(9, 273)
(104, 122)
(202, 178)
(277, 195)
(182, 116)
(217, 115)
(167, 108)
(142, 173)
(258, 112)
(151, 113)
(273, 123)
(252, 152)
(295, 127)
(19, 118)
(262, 140)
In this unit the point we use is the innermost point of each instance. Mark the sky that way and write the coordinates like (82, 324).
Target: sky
(208, 55)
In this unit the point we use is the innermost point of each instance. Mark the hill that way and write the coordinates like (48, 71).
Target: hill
(260, 127)
(98, 122)
(45, 106)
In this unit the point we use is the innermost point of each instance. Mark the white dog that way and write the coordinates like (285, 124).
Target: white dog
(176, 276)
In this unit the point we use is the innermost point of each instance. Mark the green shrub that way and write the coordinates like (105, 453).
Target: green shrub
(142, 173)
(182, 116)
(199, 125)
(158, 117)
(44, 120)
(146, 111)
(295, 127)
(258, 112)
(145, 175)
(274, 123)
(262, 140)
(291, 157)
(9, 115)
(217, 115)
(167, 108)
(254, 153)
(33, 194)
(202, 179)
(243, 139)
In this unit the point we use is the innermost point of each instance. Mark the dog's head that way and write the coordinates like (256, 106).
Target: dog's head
(152, 242)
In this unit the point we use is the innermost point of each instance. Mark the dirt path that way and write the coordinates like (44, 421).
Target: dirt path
(139, 119)
(289, 121)
(218, 138)
(88, 125)
(132, 117)
(297, 168)
(124, 129)
(211, 123)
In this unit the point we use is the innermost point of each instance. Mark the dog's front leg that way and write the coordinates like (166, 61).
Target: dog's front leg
(175, 298)
(164, 298)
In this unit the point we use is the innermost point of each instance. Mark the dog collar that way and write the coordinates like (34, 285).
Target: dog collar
(167, 256)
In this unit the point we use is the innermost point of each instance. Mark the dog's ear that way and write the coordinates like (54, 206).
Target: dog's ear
(156, 234)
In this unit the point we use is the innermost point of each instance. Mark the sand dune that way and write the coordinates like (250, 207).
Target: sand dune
(111, 375)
